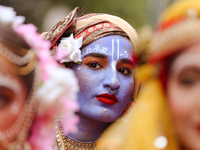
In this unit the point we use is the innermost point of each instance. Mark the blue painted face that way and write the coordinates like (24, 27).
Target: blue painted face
(105, 78)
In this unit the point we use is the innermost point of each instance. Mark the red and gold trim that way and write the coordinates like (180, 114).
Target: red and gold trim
(91, 29)
(169, 23)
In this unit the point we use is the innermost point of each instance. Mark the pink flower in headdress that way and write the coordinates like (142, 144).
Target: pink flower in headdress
(69, 50)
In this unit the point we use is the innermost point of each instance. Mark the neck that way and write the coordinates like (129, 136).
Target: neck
(88, 129)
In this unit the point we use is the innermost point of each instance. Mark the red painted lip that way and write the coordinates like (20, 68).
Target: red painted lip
(107, 99)
(198, 128)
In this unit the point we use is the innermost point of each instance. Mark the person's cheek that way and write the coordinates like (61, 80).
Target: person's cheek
(7, 115)
(127, 86)
(84, 82)
(179, 100)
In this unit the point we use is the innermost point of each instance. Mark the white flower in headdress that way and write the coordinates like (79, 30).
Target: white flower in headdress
(69, 50)
(8, 16)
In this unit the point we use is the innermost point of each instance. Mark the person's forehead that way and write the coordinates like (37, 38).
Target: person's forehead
(109, 44)
(190, 57)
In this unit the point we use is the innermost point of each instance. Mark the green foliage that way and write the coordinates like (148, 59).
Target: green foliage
(133, 11)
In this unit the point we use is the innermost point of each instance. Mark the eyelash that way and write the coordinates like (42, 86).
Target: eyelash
(129, 72)
(187, 81)
(100, 67)
(3, 101)
(96, 63)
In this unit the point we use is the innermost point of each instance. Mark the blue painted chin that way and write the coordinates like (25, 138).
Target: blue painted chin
(105, 78)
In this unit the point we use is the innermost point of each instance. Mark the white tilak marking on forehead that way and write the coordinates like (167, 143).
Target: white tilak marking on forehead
(117, 49)
(97, 48)
(114, 62)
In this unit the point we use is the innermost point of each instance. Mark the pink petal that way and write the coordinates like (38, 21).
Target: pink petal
(40, 131)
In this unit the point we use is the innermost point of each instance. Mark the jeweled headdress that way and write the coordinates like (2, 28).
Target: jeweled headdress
(90, 28)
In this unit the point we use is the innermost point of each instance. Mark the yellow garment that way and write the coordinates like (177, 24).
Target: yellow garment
(180, 8)
(149, 120)
(151, 117)
(112, 137)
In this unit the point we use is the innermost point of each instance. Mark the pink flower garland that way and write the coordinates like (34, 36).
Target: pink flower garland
(42, 132)
(36, 42)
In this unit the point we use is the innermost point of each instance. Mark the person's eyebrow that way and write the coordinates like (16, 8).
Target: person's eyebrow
(127, 61)
(95, 55)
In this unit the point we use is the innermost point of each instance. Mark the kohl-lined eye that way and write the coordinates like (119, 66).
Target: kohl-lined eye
(6, 96)
(187, 81)
(94, 65)
(188, 78)
(4, 100)
(124, 71)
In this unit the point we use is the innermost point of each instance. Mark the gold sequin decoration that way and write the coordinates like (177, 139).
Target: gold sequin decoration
(64, 143)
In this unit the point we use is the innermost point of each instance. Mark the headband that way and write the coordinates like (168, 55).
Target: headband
(91, 27)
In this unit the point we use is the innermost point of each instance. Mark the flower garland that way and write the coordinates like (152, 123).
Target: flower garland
(57, 89)
(56, 95)
(8, 16)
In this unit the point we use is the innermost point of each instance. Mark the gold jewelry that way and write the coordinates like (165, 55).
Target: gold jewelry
(18, 70)
(20, 62)
(16, 59)
(68, 143)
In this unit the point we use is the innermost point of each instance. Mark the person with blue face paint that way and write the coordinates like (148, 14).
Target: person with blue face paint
(98, 47)
(105, 78)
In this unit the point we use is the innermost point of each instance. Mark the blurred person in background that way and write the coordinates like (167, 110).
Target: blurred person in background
(98, 48)
(26, 111)
(167, 114)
